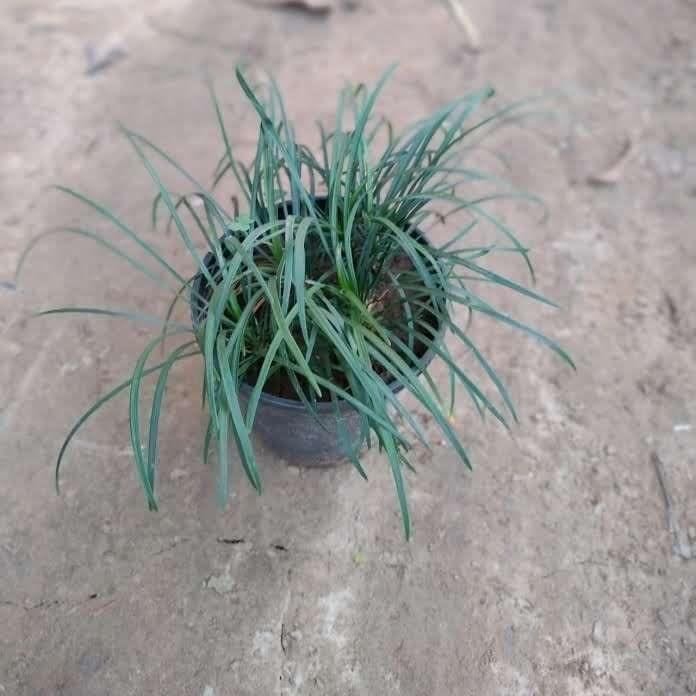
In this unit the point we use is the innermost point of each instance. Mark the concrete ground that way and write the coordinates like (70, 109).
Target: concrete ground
(551, 569)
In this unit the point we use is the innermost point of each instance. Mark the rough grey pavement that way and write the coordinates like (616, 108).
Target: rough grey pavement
(549, 570)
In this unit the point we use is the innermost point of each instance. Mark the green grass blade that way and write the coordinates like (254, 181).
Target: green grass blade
(96, 406)
(223, 482)
(106, 213)
(88, 234)
(231, 162)
(123, 314)
(395, 464)
(229, 388)
(153, 431)
(396, 366)
(207, 440)
(166, 197)
(487, 309)
(492, 374)
(141, 463)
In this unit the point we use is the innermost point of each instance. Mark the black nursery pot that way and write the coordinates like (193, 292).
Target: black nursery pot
(324, 439)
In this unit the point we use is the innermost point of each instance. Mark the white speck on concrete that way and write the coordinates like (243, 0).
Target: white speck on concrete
(599, 633)
(263, 643)
(392, 679)
(294, 679)
(69, 367)
(335, 605)
(208, 691)
(351, 675)
(222, 584)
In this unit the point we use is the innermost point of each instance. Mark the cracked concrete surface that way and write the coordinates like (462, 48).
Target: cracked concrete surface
(550, 569)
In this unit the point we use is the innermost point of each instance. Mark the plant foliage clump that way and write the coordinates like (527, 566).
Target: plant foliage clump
(325, 289)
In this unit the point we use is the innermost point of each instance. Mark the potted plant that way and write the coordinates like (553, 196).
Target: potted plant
(321, 302)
